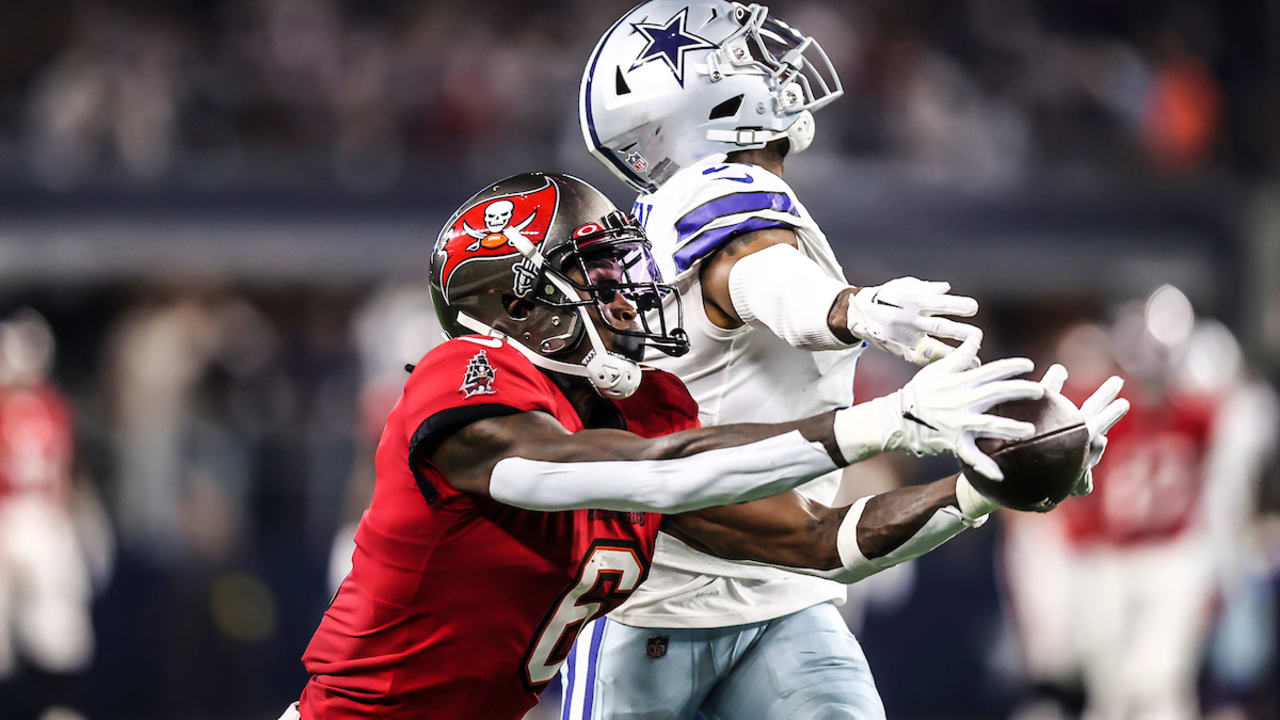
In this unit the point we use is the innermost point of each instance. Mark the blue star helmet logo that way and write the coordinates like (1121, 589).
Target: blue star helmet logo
(669, 42)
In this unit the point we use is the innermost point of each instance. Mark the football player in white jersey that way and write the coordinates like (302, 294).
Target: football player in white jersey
(696, 104)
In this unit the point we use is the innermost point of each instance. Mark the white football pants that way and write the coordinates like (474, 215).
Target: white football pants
(804, 665)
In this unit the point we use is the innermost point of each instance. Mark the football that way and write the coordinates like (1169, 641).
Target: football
(1045, 465)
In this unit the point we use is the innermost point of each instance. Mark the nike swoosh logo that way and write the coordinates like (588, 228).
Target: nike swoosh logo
(876, 299)
(909, 416)
(744, 179)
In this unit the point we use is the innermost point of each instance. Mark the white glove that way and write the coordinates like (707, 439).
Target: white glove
(900, 316)
(1101, 412)
(942, 410)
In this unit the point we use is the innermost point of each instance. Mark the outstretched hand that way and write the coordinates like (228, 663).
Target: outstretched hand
(903, 317)
(944, 406)
(1101, 412)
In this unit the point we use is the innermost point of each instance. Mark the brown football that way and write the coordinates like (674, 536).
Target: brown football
(1045, 465)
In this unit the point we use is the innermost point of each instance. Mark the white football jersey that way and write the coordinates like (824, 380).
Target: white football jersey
(746, 374)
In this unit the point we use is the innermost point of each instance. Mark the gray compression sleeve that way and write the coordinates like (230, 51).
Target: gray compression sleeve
(715, 477)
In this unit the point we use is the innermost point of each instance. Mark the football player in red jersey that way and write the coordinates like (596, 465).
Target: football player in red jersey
(46, 578)
(521, 474)
(1114, 594)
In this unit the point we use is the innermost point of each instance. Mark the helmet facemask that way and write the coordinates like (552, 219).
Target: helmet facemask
(605, 274)
(799, 73)
(610, 265)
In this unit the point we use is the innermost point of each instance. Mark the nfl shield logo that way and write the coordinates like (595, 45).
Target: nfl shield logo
(657, 647)
(637, 161)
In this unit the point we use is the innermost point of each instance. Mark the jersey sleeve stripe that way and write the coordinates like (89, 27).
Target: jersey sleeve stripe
(711, 240)
(732, 204)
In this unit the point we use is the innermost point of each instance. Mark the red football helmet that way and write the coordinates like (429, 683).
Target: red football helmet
(537, 258)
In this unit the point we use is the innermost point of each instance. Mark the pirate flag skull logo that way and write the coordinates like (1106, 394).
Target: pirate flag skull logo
(484, 230)
(497, 217)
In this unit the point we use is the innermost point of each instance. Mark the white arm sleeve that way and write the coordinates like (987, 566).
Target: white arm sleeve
(715, 477)
(786, 291)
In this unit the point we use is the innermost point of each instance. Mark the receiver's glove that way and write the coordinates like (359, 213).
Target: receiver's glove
(901, 316)
(1101, 412)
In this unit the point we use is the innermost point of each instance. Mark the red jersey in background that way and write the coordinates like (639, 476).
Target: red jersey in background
(36, 443)
(1150, 482)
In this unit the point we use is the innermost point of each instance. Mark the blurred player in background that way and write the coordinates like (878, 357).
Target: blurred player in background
(697, 105)
(397, 322)
(45, 582)
(1116, 590)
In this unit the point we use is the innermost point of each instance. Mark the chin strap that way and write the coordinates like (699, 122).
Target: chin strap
(746, 137)
(612, 375)
(800, 133)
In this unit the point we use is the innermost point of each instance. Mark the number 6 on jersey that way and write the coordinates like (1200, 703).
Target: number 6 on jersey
(612, 570)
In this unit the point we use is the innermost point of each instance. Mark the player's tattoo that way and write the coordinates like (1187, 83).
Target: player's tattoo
(714, 272)
(737, 245)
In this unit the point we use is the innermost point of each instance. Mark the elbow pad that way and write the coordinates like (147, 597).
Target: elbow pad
(715, 477)
(786, 291)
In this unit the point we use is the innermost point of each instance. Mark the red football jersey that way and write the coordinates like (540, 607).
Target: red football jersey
(458, 606)
(1150, 481)
(36, 443)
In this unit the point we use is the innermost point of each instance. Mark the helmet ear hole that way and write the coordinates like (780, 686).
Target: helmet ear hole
(517, 308)
(728, 108)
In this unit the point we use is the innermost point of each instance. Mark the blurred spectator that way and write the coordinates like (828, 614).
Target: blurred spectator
(371, 94)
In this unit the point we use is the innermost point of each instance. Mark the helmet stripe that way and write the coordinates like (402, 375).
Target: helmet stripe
(596, 147)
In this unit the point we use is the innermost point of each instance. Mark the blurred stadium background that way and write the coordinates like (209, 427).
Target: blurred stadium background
(214, 225)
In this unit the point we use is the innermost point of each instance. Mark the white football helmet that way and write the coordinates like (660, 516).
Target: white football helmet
(675, 81)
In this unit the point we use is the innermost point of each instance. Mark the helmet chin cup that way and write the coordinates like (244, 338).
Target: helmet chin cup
(612, 376)
(801, 132)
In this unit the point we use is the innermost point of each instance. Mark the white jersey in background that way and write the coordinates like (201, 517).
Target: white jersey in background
(746, 374)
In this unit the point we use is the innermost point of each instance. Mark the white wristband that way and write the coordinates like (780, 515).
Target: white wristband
(870, 428)
(973, 504)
